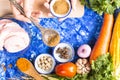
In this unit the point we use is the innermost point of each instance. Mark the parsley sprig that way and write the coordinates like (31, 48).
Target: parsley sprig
(102, 6)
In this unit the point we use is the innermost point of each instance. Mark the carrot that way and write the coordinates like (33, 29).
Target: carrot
(102, 44)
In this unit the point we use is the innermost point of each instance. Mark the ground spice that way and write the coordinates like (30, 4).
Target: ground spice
(23, 64)
(61, 7)
(53, 40)
(10, 65)
(4, 68)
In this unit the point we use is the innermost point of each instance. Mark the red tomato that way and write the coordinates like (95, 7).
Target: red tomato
(66, 69)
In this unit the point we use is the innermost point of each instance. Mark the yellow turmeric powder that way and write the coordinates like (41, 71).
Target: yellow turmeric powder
(23, 64)
(61, 7)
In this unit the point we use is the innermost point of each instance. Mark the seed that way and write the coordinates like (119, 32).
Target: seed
(63, 52)
(45, 63)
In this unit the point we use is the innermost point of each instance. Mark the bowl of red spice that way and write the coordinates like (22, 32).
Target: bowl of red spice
(60, 8)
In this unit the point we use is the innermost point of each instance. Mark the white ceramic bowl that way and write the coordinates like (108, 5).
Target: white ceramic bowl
(70, 52)
(42, 70)
(59, 15)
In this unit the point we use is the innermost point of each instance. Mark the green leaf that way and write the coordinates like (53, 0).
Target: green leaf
(102, 6)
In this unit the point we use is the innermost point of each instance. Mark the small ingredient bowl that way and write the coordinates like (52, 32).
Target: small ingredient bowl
(44, 63)
(60, 8)
(63, 52)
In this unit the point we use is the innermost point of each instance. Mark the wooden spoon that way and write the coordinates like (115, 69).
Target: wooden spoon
(25, 66)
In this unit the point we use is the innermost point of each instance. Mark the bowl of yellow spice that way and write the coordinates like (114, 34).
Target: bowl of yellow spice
(60, 8)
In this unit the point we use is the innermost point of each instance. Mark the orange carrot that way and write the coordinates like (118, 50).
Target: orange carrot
(102, 44)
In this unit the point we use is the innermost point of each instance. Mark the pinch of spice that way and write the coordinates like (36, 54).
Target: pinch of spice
(3, 66)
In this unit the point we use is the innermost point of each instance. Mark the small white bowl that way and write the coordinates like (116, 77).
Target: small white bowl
(70, 52)
(59, 15)
(38, 66)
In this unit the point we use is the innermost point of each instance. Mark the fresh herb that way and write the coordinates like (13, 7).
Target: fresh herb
(101, 69)
(102, 6)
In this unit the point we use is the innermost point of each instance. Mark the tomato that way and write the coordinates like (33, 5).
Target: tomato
(66, 69)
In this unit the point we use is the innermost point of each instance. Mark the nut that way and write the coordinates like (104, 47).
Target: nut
(83, 66)
(45, 63)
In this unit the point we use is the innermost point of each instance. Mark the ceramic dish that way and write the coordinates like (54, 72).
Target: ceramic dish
(60, 8)
(63, 52)
(44, 63)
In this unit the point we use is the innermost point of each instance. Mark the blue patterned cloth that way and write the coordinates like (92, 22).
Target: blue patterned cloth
(76, 31)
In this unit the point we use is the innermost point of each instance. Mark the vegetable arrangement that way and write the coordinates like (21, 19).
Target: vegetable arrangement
(103, 62)
(101, 69)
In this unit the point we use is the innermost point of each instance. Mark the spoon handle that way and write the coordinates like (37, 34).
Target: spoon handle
(20, 9)
(36, 75)
(37, 24)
